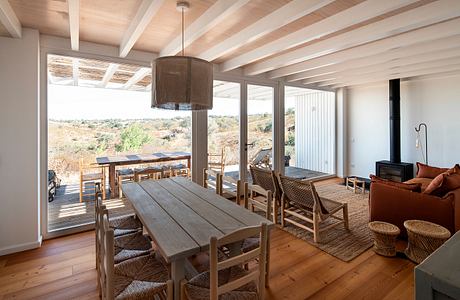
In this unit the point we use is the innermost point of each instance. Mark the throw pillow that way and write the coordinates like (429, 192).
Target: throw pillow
(426, 171)
(414, 187)
(445, 182)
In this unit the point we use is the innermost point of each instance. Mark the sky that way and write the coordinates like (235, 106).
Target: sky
(76, 102)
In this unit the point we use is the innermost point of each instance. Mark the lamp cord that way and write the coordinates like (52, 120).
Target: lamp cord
(182, 31)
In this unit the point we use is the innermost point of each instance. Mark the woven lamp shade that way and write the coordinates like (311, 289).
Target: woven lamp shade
(182, 83)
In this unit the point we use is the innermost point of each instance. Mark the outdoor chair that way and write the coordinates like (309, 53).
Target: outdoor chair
(153, 172)
(226, 279)
(307, 206)
(266, 179)
(262, 158)
(212, 180)
(230, 188)
(91, 173)
(142, 277)
(216, 161)
(123, 175)
(176, 170)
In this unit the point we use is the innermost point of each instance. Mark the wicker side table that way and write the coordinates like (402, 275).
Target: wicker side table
(423, 239)
(385, 235)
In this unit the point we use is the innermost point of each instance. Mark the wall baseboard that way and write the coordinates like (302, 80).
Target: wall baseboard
(21, 247)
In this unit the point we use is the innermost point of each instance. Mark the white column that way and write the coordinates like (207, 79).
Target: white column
(199, 144)
(341, 132)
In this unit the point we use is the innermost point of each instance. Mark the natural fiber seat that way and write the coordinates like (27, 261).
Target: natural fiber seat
(142, 277)
(250, 244)
(125, 225)
(131, 245)
(198, 287)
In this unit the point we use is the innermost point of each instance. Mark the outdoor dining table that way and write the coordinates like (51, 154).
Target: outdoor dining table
(134, 159)
(181, 216)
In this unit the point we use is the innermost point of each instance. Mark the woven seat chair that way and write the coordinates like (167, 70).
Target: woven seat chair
(227, 279)
(255, 197)
(153, 172)
(212, 180)
(91, 173)
(143, 277)
(230, 188)
(266, 179)
(176, 170)
(307, 206)
(131, 245)
(216, 161)
(123, 175)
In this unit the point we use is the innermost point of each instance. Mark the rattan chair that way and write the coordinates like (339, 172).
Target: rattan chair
(153, 172)
(226, 279)
(212, 180)
(91, 173)
(306, 205)
(266, 179)
(143, 277)
(231, 188)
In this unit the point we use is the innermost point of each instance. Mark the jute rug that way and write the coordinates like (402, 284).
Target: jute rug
(338, 242)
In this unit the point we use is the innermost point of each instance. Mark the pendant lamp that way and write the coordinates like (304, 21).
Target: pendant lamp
(182, 82)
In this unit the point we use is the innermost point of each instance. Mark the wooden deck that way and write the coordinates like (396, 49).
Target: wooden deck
(67, 211)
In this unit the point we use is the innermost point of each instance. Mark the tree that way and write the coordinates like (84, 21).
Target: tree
(132, 138)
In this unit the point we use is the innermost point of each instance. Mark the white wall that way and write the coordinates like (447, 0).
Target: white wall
(432, 100)
(19, 129)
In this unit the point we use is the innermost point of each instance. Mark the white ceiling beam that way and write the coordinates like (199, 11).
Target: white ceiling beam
(74, 23)
(207, 21)
(112, 68)
(418, 17)
(146, 11)
(280, 17)
(430, 33)
(354, 15)
(399, 72)
(75, 70)
(138, 76)
(9, 19)
(394, 54)
(425, 72)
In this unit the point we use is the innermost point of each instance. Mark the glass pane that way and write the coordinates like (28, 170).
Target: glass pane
(224, 129)
(309, 133)
(260, 125)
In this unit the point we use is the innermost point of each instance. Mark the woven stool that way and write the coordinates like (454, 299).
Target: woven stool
(423, 239)
(385, 235)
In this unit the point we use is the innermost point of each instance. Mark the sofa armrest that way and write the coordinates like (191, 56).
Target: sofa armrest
(455, 195)
(395, 205)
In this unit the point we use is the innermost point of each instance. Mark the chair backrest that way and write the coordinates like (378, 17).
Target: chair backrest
(257, 274)
(262, 158)
(232, 186)
(212, 180)
(216, 161)
(301, 193)
(106, 275)
(262, 178)
(154, 172)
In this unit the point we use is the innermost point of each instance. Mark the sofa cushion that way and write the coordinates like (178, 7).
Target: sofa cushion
(414, 187)
(424, 182)
(445, 182)
(426, 171)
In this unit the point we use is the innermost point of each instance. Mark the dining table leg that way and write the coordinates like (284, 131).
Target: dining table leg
(113, 188)
(177, 275)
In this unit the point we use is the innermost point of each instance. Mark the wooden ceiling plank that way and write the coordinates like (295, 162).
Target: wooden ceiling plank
(424, 72)
(108, 74)
(388, 56)
(351, 16)
(282, 16)
(74, 23)
(430, 33)
(9, 19)
(138, 76)
(144, 15)
(207, 21)
(418, 17)
(441, 65)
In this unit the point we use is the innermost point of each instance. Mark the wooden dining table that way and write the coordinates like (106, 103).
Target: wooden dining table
(134, 159)
(181, 216)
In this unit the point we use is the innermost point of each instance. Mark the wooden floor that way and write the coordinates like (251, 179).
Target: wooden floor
(63, 268)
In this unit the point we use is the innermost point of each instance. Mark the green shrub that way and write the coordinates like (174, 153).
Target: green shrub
(133, 137)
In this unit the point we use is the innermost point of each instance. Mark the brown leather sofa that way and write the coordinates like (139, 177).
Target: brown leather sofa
(395, 205)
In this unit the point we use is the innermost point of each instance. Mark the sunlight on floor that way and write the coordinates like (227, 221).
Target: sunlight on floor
(76, 212)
